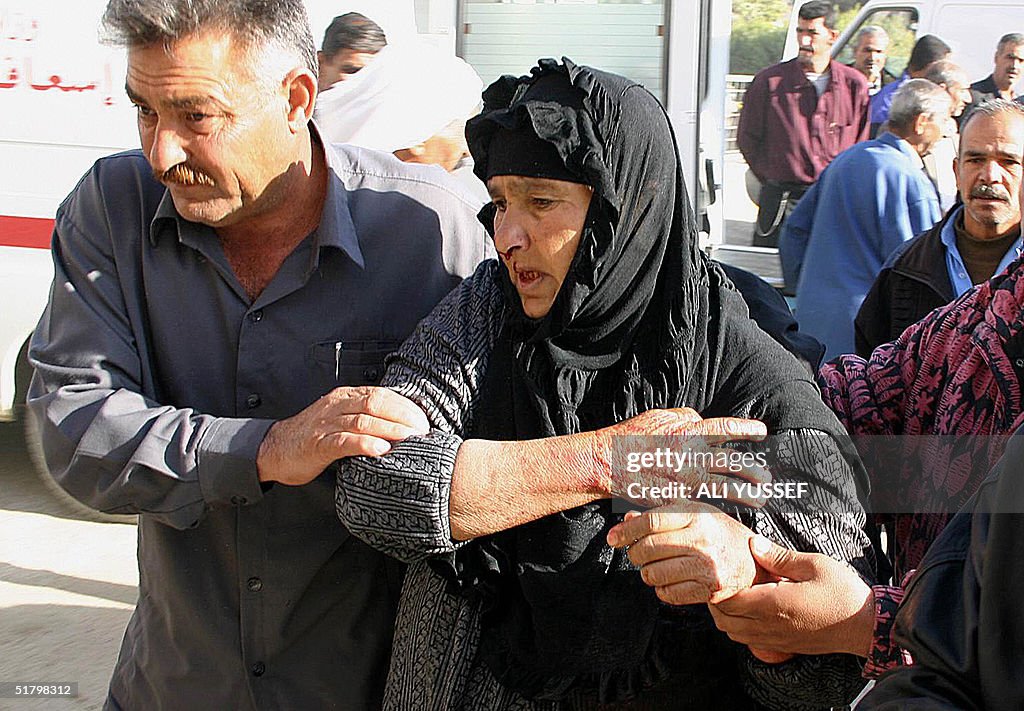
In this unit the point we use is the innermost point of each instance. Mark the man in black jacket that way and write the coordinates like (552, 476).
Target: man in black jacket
(1008, 69)
(960, 619)
(973, 242)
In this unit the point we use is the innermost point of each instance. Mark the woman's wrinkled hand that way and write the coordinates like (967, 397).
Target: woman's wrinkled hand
(671, 455)
(689, 553)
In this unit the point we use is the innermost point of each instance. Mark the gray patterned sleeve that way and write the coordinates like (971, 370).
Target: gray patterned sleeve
(828, 520)
(398, 503)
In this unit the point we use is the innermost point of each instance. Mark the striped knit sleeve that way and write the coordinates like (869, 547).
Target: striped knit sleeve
(398, 503)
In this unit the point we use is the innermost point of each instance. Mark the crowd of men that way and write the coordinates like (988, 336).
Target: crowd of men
(243, 217)
(843, 211)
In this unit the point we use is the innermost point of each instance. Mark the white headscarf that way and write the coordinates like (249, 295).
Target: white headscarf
(405, 95)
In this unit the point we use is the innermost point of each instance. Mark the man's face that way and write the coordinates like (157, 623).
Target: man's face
(935, 127)
(869, 56)
(989, 174)
(1009, 65)
(960, 94)
(341, 66)
(213, 134)
(814, 40)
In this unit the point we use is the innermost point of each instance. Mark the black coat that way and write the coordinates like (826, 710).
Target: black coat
(961, 619)
(913, 282)
(772, 314)
(981, 91)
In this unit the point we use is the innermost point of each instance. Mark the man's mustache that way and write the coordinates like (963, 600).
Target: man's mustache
(184, 174)
(990, 192)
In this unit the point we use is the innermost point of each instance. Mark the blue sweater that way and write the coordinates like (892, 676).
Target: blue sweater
(871, 198)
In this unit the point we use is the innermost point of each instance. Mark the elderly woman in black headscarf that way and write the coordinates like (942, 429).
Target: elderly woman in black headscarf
(601, 308)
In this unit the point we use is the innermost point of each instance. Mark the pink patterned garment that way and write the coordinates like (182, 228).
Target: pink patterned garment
(958, 371)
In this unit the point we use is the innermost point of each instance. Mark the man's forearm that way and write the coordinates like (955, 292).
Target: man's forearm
(118, 452)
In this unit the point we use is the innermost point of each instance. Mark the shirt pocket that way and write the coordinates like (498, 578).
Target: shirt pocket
(840, 129)
(351, 363)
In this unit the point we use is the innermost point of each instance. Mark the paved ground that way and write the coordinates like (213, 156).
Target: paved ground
(67, 588)
(739, 222)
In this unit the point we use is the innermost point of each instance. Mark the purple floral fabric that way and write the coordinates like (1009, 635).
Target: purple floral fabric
(955, 372)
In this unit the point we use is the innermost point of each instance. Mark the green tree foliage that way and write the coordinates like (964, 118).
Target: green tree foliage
(755, 46)
(758, 34)
(766, 11)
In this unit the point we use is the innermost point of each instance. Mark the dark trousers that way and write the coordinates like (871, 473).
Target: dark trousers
(775, 203)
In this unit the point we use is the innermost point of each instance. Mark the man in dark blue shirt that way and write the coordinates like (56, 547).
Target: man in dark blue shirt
(220, 302)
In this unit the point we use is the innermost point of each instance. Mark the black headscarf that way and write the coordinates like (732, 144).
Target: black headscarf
(637, 324)
(638, 245)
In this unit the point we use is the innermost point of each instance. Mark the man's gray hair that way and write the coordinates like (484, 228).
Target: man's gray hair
(1012, 39)
(991, 109)
(946, 72)
(915, 98)
(871, 31)
(257, 23)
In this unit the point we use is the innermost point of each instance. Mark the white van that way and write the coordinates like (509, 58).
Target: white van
(62, 104)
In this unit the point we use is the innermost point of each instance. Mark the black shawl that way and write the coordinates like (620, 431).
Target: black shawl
(643, 320)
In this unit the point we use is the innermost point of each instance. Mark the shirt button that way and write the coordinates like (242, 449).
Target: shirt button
(258, 669)
(256, 316)
(254, 584)
(962, 275)
(238, 500)
(372, 374)
(253, 401)
(1019, 362)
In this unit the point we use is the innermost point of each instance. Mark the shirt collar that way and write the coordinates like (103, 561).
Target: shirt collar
(903, 146)
(336, 228)
(947, 234)
(958, 275)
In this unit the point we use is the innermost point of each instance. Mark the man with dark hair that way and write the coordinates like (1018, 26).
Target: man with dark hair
(350, 42)
(927, 49)
(975, 241)
(1009, 66)
(797, 116)
(221, 303)
(835, 242)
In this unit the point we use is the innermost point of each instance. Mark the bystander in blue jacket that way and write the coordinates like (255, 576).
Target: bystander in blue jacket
(872, 198)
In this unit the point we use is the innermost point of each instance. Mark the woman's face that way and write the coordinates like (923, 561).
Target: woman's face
(537, 227)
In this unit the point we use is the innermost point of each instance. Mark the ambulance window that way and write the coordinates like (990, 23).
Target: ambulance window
(900, 25)
(623, 36)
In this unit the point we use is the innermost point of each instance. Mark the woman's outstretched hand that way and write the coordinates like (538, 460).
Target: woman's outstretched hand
(673, 455)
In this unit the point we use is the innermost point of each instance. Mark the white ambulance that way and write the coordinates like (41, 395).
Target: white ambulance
(62, 105)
